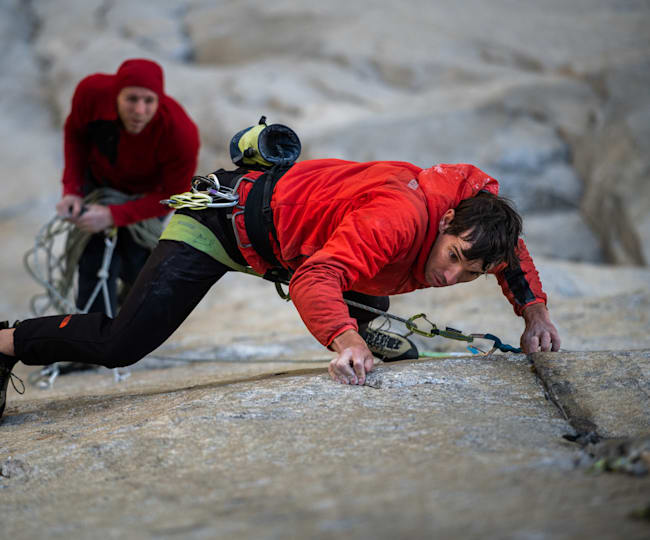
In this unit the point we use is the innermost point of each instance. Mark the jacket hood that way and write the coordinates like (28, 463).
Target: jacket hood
(444, 187)
(140, 72)
(146, 74)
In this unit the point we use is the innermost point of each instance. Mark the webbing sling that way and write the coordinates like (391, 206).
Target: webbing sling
(184, 228)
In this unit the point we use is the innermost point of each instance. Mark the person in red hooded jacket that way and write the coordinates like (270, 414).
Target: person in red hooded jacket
(386, 228)
(123, 132)
(340, 228)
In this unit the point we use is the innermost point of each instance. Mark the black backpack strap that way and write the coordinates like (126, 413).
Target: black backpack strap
(258, 217)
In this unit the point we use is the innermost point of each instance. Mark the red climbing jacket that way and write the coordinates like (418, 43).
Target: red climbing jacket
(364, 227)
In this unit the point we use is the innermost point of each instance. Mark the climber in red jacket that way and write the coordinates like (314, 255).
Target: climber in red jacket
(123, 132)
(387, 228)
(335, 229)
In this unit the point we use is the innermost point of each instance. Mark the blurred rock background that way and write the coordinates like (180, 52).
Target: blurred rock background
(549, 97)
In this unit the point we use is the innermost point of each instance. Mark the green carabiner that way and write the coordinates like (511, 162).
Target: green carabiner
(450, 333)
(411, 326)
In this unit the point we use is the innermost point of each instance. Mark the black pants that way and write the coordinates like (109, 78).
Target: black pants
(128, 258)
(172, 282)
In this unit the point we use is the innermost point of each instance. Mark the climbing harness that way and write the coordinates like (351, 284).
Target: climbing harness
(56, 272)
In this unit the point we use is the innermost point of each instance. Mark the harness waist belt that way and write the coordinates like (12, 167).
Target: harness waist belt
(183, 228)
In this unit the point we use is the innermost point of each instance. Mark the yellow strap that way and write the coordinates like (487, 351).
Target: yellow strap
(183, 228)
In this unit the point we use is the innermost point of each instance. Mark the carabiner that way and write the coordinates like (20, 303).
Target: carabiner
(411, 326)
(450, 333)
(498, 344)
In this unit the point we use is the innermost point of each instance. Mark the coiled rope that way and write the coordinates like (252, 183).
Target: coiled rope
(56, 272)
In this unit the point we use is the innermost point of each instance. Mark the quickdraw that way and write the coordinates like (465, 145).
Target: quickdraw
(432, 330)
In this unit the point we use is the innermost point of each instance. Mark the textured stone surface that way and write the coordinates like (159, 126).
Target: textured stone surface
(603, 392)
(447, 448)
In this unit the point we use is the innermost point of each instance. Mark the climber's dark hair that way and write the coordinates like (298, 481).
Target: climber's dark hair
(491, 225)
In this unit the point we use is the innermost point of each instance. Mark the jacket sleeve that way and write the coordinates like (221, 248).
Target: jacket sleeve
(76, 147)
(365, 241)
(521, 285)
(178, 161)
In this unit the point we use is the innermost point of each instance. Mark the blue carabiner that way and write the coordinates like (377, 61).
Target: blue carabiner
(498, 344)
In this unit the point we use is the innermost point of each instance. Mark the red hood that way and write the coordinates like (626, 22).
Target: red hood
(140, 72)
(444, 187)
(104, 88)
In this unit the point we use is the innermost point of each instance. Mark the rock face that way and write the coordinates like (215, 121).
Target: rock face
(456, 447)
(614, 160)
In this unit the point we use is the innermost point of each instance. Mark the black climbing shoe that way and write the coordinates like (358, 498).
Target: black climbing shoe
(7, 363)
(389, 346)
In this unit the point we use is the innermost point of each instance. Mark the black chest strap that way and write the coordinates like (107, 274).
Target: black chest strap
(258, 219)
